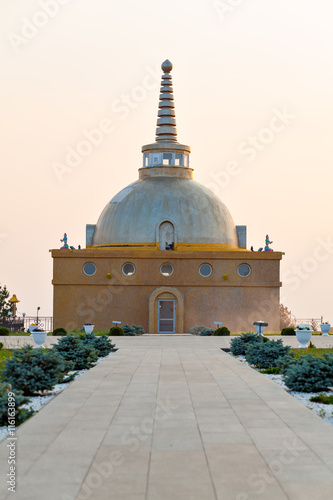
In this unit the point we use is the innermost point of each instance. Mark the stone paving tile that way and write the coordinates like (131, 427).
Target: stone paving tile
(308, 490)
(179, 475)
(174, 418)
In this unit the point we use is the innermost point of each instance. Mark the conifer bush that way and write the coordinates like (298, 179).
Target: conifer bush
(309, 373)
(239, 345)
(223, 330)
(102, 344)
(116, 330)
(133, 330)
(14, 400)
(72, 349)
(4, 332)
(195, 330)
(129, 330)
(265, 354)
(31, 370)
(138, 329)
(206, 332)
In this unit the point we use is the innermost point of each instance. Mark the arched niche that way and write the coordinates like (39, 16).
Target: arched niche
(166, 235)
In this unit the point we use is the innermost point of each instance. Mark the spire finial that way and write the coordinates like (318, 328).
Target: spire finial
(166, 123)
(167, 66)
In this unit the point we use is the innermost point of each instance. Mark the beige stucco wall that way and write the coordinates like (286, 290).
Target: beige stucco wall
(224, 296)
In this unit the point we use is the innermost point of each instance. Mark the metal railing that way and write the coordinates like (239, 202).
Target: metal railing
(314, 323)
(21, 324)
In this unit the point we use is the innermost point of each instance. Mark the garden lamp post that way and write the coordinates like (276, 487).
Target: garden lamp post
(13, 301)
(38, 308)
(260, 326)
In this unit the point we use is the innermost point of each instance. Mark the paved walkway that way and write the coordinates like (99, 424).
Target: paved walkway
(172, 418)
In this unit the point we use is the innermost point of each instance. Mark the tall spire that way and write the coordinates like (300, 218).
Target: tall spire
(166, 157)
(166, 122)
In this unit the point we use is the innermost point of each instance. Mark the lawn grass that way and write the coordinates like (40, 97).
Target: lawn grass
(317, 352)
(5, 354)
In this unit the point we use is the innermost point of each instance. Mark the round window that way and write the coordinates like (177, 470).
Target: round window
(128, 269)
(244, 270)
(166, 269)
(89, 269)
(205, 270)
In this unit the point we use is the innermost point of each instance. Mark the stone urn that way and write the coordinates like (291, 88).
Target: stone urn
(88, 328)
(39, 338)
(325, 328)
(303, 337)
(32, 328)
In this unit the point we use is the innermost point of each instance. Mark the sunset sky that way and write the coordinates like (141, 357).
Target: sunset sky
(253, 84)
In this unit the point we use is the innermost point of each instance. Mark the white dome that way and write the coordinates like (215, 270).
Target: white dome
(135, 213)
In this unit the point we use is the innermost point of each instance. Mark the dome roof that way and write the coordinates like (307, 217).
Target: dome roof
(165, 205)
(135, 213)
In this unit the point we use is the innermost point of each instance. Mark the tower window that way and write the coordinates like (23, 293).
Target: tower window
(167, 158)
(179, 159)
(166, 269)
(89, 269)
(128, 269)
(205, 270)
(244, 270)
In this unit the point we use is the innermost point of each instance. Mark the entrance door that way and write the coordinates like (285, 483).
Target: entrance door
(166, 318)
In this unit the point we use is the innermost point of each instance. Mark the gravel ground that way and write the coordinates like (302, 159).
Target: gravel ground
(37, 402)
(324, 411)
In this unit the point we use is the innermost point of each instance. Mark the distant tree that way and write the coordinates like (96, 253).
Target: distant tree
(286, 317)
(5, 306)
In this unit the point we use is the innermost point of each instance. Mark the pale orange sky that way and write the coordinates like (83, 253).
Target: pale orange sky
(253, 86)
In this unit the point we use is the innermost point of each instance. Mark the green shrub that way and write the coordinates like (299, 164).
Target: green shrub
(239, 344)
(309, 373)
(206, 332)
(322, 398)
(265, 354)
(4, 332)
(288, 331)
(31, 370)
(1, 345)
(16, 400)
(59, 331)
(116, 330)
(102, 344)
(223, 330)
(195, 330)
(72, 349)
(272, 370)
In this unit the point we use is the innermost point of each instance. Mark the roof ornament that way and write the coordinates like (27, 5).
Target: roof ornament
(166, 123)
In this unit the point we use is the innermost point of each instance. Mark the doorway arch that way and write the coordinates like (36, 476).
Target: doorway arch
(166, 293)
